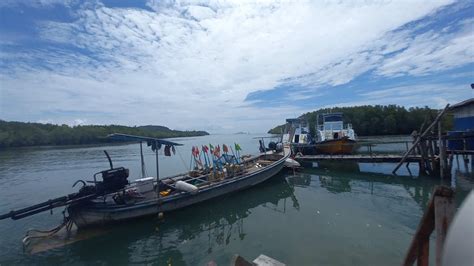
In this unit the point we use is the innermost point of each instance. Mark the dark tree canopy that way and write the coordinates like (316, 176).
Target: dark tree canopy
(370, 120)
(16, 134)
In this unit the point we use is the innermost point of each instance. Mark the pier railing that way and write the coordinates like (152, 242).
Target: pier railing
(437, 217)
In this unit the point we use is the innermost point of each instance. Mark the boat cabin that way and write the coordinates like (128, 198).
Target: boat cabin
(297, 129)
(333, 127)
(332, 121)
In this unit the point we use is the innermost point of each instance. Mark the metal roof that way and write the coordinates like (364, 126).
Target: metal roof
(130, 138)
(462, 104)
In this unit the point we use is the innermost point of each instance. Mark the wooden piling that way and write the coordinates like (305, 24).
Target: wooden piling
(442, 153)
(444, 209)
(437, 217)
(431, 159)
(438, 117)
(424, 158)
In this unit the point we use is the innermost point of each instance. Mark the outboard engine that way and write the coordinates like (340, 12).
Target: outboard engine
(113, 179)
(272, 145)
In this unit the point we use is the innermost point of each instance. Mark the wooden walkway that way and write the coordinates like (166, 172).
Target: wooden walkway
(364, 158)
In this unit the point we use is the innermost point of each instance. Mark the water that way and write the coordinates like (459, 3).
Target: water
(338, 214)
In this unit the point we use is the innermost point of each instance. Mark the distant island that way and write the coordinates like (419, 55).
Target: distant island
(17, 134)
(374, 120)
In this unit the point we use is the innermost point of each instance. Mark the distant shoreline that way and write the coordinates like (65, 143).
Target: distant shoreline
(21, 134)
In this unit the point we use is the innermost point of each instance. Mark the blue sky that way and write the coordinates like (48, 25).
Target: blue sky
(228, 66)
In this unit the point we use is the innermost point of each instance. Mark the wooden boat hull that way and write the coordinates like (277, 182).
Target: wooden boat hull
(100, 213)
(336, 146)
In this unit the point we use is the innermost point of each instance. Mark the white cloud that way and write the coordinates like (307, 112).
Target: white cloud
(192, 64)
(431, 52)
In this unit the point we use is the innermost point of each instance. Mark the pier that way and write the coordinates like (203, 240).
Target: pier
(362, 158)
(433, 149)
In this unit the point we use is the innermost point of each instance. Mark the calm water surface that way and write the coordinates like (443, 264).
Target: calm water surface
(332, 214)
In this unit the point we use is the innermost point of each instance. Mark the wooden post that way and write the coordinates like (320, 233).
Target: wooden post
(424, 158)
(431, 157)
(437, 216)
(425, 227)
(423, 258)
(450, 163)
(157, 172)
(444, 208)
(442, 155)
(421, 136)
(472, 163)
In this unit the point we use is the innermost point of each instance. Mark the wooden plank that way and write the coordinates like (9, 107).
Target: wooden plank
(421, 136)
(419, 246)
(444, 212)
(240, 261)
(425, 227)
(423, 258)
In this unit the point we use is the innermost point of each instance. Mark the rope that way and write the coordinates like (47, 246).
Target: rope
(181, 157)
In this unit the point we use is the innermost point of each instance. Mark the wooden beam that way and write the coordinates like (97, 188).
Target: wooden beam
(438, 117)
(442, 153)
(423, 258)
(419, 246)
(424, 229)
(444, 208)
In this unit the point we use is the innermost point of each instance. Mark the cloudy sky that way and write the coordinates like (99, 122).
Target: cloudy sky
(227, 66)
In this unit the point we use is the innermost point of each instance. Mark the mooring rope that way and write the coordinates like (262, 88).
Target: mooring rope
(182, 160)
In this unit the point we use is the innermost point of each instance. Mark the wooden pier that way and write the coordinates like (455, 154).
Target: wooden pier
(362, 158)
(429, 148)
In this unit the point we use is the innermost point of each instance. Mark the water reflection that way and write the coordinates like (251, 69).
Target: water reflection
(335, 179)
(222, 220)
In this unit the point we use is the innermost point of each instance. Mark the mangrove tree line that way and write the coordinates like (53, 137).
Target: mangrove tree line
(370, 120)
(16, 134)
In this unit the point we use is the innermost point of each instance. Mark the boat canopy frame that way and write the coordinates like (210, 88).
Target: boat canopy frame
(155, 144)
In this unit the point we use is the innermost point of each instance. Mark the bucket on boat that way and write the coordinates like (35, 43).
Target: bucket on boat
(184, 186)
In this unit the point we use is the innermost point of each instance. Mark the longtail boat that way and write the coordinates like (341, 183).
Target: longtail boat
(115, 199)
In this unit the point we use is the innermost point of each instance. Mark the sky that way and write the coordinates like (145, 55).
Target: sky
(227, 66)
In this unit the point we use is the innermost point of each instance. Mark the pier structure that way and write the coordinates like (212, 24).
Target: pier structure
(433, 149)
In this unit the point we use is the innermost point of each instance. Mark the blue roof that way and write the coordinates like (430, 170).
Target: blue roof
(130, 138)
